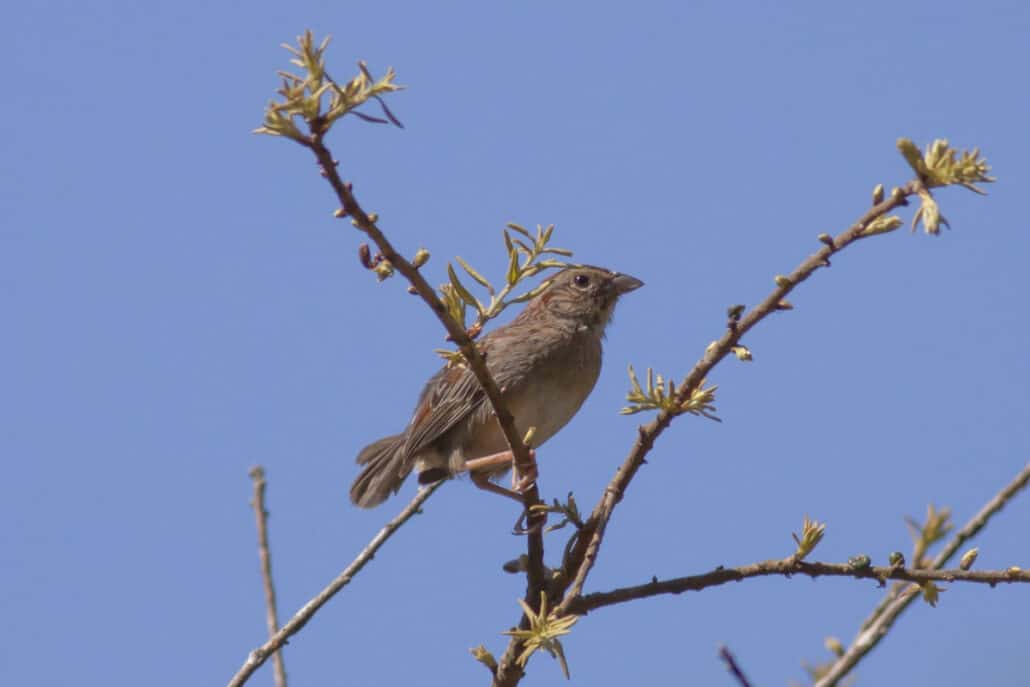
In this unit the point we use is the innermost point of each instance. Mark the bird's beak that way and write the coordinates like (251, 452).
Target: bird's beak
(625, 283)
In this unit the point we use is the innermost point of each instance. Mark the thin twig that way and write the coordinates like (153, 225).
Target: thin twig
(257, 475)
(787, 568)
(588, 539)
(259, 655)
(873, 630)
(731, 665)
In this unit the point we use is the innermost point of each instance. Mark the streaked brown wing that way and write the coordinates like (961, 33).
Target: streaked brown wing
(448, 398)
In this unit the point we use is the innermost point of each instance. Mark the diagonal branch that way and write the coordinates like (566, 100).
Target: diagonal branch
(259, 655)
(257, 475)
(585, 554)
(303, 100)
(877, 626)
(535, 572)
(364, 222)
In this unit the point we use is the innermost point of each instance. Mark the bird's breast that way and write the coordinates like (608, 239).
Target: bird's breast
(546, 396)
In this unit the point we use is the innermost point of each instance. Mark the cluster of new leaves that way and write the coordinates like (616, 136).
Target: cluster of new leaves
(303, 97)
(528, 256)
(811, 534)
(942, 165)
(662, 394)
(936, 527)
(543, 633)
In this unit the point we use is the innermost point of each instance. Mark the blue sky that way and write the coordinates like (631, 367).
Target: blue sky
(179, 304)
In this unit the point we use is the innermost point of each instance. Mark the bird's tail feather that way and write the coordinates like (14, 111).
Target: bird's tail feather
(384, 472)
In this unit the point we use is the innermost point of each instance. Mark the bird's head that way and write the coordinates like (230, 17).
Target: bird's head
(583, 296)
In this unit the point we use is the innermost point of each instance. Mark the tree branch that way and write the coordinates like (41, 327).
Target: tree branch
(257, 475)
(584, 552)
(731, 665)
(535, 518)
(879, 624)
(587, 549)
(787, 568)
(259, 655)
(303, 99)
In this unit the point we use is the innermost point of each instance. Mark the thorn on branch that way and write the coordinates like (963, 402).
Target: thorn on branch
(734, 313)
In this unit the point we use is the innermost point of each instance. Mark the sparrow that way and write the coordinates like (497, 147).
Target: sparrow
(545, 362)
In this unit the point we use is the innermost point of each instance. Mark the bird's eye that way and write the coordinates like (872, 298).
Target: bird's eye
(581, 280)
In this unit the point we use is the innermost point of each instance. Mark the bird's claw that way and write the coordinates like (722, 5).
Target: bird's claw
(523, 482)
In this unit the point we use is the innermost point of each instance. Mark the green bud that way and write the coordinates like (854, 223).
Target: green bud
(742, 353)
(878, 194)
(859, 562)
(383, 270)
(421, 258)
(882, 225)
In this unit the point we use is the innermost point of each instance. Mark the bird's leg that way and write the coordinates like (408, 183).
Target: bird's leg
(479, 469)
(482, 480)
(496, 460)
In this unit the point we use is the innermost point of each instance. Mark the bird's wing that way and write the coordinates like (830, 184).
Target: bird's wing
(448, 398)
(454, 393)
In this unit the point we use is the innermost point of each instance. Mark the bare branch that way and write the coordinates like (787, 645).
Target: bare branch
(787, 568)
(259, 655)
(879, 624)
(257, 475)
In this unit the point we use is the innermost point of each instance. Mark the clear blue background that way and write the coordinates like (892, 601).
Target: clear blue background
(178, 304)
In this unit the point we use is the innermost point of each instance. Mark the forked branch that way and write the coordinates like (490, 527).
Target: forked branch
(876, 627)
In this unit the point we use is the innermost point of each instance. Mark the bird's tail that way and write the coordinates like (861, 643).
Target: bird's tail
(384, 472)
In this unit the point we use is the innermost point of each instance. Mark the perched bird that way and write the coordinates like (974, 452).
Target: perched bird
(545, 363)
